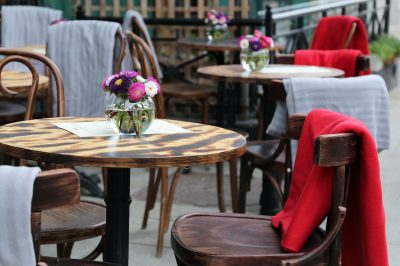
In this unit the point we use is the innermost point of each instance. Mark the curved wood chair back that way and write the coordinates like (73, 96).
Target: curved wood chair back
(120, 56)
(24, 58)
(52, 189)
(143, 59)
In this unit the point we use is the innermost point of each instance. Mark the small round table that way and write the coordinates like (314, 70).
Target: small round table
(236, 74)
(38, 48)
(41, 140)
(21, 82)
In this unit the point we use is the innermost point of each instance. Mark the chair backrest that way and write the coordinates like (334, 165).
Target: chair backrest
(144, 60)
(25, 57)
(52, 189)
(85, 52)
(326, 154)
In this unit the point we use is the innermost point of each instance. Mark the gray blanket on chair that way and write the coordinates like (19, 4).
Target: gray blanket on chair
(364, 98)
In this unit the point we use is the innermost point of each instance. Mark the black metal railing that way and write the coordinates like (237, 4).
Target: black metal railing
(293, 25)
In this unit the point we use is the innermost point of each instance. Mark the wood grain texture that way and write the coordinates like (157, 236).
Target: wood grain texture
(41, 140)
(235, 73)
(21, 82)
(224, 45)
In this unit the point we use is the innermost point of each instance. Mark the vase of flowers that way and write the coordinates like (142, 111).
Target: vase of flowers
(254, 55)
(129, 107)
(217, 25)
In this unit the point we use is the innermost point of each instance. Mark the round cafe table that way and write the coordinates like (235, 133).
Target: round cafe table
(236, 74)
(21, 82)
(41, 140)
(38, 48)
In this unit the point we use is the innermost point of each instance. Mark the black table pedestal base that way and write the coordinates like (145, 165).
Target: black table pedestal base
(118, 199)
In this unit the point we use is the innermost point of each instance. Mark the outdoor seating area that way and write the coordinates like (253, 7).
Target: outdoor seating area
(211, 133)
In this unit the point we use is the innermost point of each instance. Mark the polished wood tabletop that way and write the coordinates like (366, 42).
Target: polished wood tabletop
(41, 140)
(21, 82)
(38, 48)
(235, 73)
(222, 45)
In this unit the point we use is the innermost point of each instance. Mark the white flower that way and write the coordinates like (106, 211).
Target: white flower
(244, 44)
(151, 88)
(140, 79)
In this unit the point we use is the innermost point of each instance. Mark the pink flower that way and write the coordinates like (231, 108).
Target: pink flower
(136, 92)
(258, 34)
(104, 85)
(156, 82)
(130, 74)
(266, 41)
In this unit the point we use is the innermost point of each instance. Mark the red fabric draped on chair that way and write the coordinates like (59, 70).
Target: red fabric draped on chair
(309, 201)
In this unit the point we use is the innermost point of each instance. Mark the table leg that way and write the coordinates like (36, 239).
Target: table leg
(118, 199)
(221, 106)
(269, 200)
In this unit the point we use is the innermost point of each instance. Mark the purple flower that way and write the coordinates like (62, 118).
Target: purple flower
(156, 82)
(136, 92)
(255, 45)
(120, 84)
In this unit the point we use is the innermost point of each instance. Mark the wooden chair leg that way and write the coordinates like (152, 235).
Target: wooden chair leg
(163, 210)
(243, 183)
(64, 250)
(150, 195)
(171, 195)
(205, 104)
(220, 186)
(234, 185)
(104, 175)
(97, 251)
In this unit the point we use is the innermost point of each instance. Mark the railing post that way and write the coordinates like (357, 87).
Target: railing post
(268, 21)
(80, 13)
(387, 16)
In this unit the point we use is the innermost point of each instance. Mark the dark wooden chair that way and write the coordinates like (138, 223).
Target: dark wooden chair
(61, 226)
(55, 189)
(145, 62)
(273, 157)
(237, 239)
(180, 91)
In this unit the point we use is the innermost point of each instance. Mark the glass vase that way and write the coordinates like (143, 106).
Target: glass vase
(126, 117)
(215, 33)
(254, 60)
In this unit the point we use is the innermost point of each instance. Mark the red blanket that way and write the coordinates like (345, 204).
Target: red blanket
(342, 59)
(364, 240)
(332, 33)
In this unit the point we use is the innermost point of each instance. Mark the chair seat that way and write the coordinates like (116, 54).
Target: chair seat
(187, 91)
(86, 220)
(11, 112)
(212, 238)
(71, 262)
(264, 149)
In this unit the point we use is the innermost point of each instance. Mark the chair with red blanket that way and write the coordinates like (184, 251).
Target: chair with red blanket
(339, 42)
(338, 168)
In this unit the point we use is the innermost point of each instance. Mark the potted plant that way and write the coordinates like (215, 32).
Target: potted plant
(384, 53)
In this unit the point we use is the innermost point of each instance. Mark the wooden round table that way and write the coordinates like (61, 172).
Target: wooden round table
(223, 45)
(41, 140)
(236, 74)
(38, 48)
(21, 82)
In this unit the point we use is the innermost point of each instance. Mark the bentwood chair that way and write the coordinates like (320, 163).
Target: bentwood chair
(176, 91)
(237, 239)
(55, 189)
(61, 226)
(273, 157)
(144, 60)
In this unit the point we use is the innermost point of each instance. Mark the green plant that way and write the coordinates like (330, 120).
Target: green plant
(386, 48)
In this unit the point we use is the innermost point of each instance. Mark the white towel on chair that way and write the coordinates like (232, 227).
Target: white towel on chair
(84, 52)
(364, 98)
(25, 25)
(127, 26)
(16, 189)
